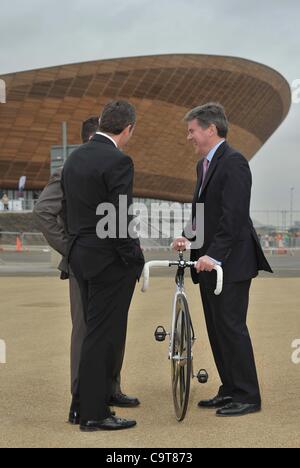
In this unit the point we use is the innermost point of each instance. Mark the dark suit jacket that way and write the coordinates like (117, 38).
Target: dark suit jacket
(97, 173)
(229, 235)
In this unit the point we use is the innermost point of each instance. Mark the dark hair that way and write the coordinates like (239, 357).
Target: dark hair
(116, 116)
(211, 113)
(89, 128)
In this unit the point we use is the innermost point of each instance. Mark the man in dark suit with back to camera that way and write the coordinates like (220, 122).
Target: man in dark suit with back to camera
(224, 187)
(49, 217)
(106, 268)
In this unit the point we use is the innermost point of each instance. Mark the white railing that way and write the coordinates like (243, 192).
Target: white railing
(18, 206)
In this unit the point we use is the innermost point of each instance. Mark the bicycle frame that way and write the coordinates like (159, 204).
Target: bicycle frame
(182, 265)
(180, 291)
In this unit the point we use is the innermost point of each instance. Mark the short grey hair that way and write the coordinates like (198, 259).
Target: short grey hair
(210, 113)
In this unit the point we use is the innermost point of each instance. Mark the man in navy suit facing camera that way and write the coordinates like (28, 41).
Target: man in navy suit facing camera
(224, 187)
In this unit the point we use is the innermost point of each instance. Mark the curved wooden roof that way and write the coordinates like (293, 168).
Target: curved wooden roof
(163, 88)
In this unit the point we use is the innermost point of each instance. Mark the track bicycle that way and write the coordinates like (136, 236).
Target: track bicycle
(182, 335)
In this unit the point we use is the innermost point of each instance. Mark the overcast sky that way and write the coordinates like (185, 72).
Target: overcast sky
(43, 33)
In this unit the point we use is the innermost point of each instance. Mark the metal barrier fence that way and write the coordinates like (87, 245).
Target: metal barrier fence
(35, 241)
(283, 251)
(19, 241)
(276, 220)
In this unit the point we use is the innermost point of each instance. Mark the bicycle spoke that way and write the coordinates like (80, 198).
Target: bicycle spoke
(182, 386)
(176, 372)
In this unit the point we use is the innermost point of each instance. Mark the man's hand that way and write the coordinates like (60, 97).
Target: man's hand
(205, 264)
(181, 244)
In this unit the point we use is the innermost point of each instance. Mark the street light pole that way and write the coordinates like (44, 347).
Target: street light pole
(291, 206)
(65, 140)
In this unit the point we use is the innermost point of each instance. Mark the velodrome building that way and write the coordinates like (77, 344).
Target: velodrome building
(163, 88)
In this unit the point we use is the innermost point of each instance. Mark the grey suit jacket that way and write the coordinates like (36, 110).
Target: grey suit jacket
(48, 217)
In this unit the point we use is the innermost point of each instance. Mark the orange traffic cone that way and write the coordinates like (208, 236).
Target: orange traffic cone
(19, 246)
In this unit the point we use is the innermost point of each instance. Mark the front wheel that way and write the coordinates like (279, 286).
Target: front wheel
(181, 358)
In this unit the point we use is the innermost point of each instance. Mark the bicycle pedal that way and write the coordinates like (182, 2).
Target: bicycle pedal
(202, 376)
(160, 334)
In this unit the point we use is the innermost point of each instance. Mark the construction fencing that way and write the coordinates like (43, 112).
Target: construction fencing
(22, 241)
(35, 241)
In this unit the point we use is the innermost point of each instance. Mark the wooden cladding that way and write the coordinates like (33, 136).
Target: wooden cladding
(162, 88)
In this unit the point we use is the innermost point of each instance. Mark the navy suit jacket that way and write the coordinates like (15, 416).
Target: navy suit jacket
(229, 235)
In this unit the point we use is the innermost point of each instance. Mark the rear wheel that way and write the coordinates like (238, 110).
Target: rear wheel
(181, 358)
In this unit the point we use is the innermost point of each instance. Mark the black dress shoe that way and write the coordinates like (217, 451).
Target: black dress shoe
(238, 409)
(123, 401)
(109, 424)
(217, 402)
(74, 417)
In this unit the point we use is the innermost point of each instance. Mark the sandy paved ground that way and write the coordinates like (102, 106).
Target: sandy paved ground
(34, 384)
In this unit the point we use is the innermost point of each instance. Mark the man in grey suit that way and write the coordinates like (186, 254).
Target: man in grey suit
(49, 217)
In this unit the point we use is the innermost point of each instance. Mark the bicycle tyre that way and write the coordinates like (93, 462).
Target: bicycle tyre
(181, 361)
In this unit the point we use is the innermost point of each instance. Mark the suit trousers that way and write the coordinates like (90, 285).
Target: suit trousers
(106, 301)
(226, 317)
(78, 335)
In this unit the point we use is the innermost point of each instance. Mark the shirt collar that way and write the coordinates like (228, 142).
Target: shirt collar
(107, 136)
(213, 151)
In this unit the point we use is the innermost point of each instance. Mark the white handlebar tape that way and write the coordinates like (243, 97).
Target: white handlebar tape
(219, 287)
(148, 265)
